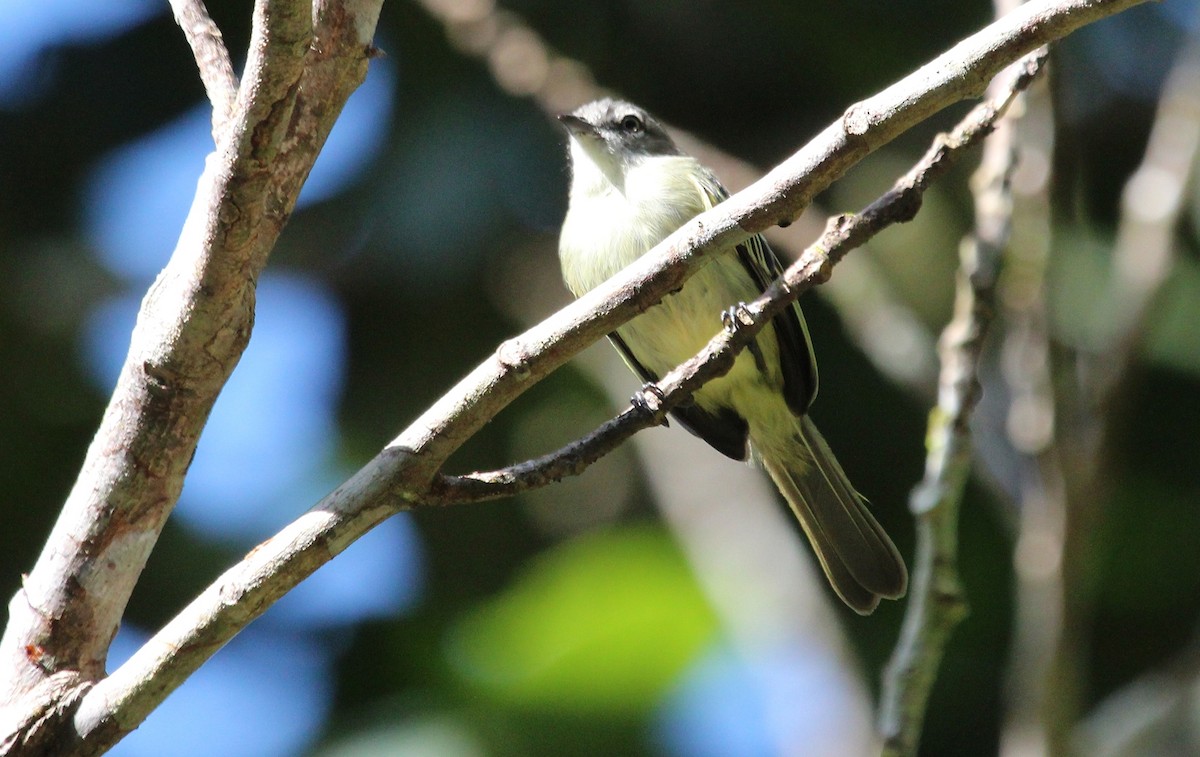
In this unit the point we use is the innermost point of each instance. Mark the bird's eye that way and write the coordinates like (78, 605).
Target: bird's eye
(632, 124)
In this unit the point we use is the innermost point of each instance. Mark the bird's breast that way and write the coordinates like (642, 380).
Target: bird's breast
(607, 228)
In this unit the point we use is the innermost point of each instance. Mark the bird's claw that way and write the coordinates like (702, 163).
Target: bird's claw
(735, 317)
(649, 400)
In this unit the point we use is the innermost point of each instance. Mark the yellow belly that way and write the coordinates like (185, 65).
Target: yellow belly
(681, 325)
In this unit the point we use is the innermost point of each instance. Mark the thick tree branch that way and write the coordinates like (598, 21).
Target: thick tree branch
(242, 228)
(212, 59)
(193, 325)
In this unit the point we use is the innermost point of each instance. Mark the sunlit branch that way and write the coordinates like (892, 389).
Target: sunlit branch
(192, 328)
(212, 59)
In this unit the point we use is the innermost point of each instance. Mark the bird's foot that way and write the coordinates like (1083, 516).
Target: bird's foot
(736, 317)
(649, 400)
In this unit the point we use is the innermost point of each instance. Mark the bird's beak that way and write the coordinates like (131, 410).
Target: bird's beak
(577, 126)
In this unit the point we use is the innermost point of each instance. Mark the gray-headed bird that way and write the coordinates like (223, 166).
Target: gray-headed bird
(631, 187)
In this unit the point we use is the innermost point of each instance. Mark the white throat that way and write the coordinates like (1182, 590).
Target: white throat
(619, 209)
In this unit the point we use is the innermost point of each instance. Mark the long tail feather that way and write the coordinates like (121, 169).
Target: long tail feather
(855, 552)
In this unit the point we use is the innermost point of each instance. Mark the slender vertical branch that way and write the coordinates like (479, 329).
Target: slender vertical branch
(936, 604)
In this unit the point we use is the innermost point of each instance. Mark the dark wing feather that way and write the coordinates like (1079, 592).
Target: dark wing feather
(724, 430)
(797, 362)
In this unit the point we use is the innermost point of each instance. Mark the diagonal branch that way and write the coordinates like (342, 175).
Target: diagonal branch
(814, 265)
(777, 198)
(400, 476)
(212, 59)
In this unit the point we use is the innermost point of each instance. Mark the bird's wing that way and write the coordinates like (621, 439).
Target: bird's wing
(797, 362)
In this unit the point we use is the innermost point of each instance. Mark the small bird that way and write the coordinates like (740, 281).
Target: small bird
(631, 187)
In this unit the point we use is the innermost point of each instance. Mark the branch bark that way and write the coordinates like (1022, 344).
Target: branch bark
(193, 325)
(212, 59)
(403, 475)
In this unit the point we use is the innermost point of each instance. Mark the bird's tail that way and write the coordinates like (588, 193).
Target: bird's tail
(859, 559)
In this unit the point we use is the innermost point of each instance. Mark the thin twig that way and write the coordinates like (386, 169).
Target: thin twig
(936, 605)
(212, 59)
(814, 265)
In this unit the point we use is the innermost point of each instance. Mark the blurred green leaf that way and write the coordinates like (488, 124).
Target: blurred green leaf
(603, 622)
(435, 736)
(1173, 339)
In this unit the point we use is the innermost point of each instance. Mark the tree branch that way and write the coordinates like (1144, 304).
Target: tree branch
(192, 327)
(212, 59)
(936, 603)
(196, 320)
